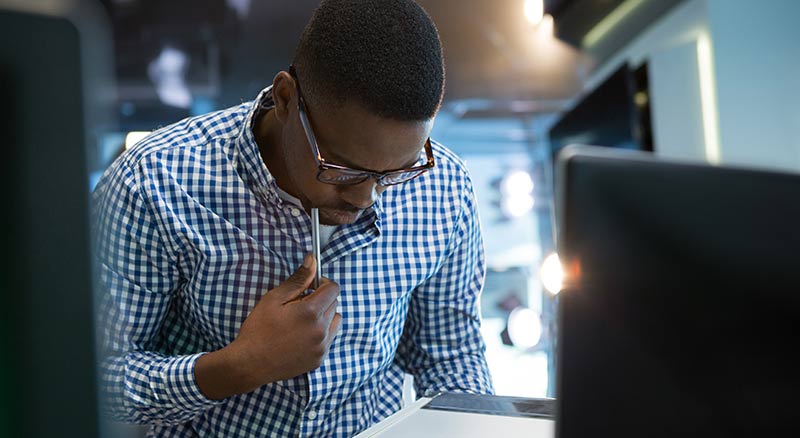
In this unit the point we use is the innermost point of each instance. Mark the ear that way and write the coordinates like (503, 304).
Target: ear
(283, 94)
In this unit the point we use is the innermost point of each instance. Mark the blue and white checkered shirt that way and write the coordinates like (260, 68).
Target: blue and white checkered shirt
(191, 233)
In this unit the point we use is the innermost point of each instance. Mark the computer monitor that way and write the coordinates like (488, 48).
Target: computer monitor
(47, 369)
(681, 306)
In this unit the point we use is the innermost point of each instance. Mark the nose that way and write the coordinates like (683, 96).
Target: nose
(362, 195)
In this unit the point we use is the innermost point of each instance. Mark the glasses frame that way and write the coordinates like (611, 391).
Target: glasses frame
(364, 174)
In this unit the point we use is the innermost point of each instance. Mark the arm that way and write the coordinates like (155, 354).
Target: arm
(442, 344)
(138, 278)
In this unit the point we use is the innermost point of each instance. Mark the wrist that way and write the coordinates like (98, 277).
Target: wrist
(224, 373)
(241, 367)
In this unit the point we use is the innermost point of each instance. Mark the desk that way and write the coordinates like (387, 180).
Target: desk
(415, 422)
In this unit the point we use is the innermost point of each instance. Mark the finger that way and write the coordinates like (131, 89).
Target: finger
(327, 317)
(299, 281)
(335, 327)
(322, 298)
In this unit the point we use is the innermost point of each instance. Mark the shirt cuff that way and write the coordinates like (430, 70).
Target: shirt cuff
(173, 383)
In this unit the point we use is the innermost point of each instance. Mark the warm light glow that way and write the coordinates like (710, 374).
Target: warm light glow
(708, 99)
(640, 98)
(601, 29)
(546, 27)
(534, 11)
(524, 327)
(552, 274)
(133, 137)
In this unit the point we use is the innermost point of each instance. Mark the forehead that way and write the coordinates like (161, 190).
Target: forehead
(350, 135)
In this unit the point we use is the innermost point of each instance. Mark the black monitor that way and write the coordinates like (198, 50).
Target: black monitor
(681, 307)
(47, 369)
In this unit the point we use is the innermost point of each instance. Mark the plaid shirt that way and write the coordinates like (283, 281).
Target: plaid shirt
(191, 232)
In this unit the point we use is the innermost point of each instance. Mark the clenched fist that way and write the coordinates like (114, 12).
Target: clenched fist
(287, 334)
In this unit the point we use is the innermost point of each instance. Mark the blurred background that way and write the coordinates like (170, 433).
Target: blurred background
(706, 80)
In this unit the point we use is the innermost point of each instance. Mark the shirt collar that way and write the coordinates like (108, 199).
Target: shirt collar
(253, 167)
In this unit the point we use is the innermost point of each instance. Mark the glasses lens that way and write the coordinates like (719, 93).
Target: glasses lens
(337, 176)
(400, 177)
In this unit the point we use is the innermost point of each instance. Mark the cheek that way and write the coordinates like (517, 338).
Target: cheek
(298, 155)
(322, 195)
(300, 164)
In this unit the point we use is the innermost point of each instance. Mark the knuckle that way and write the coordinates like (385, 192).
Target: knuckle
(317, 336)
(330, 287)
(337, 324)
(307, 313)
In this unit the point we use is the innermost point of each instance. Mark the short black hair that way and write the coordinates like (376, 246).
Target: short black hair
(384, 54)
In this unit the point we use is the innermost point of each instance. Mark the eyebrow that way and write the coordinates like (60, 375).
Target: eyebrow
(338, 159)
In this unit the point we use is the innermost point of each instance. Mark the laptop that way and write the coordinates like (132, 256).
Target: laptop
(469, 415)
(681, 306)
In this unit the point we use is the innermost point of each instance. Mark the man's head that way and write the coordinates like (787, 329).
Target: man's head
(372, 79)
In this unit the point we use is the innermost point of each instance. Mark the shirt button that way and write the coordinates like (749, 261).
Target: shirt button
(295, 212)
(312, 415)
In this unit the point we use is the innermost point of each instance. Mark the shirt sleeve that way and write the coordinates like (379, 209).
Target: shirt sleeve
(442, 344)
(137, 280)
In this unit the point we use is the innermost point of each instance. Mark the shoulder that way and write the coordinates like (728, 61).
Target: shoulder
(442, 192)
(447, 160)
(172, 151)
(174, 144)
(450, 173)
(192, 132)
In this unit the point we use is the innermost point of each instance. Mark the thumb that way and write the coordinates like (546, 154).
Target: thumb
(299, 281)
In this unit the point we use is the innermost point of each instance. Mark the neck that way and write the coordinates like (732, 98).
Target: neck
(268, 134)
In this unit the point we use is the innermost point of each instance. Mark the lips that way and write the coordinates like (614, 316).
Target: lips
(341, 217)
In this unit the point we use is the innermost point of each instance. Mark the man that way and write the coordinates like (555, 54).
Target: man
(203, 236)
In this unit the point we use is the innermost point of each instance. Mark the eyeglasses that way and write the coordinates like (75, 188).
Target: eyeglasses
(330, 173)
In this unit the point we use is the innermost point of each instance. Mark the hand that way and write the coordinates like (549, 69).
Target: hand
(286, 334)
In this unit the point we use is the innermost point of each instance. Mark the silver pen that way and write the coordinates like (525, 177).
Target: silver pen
(315, 243)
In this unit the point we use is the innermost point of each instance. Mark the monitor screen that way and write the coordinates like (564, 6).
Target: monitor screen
(47, 377)
(681, 306)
